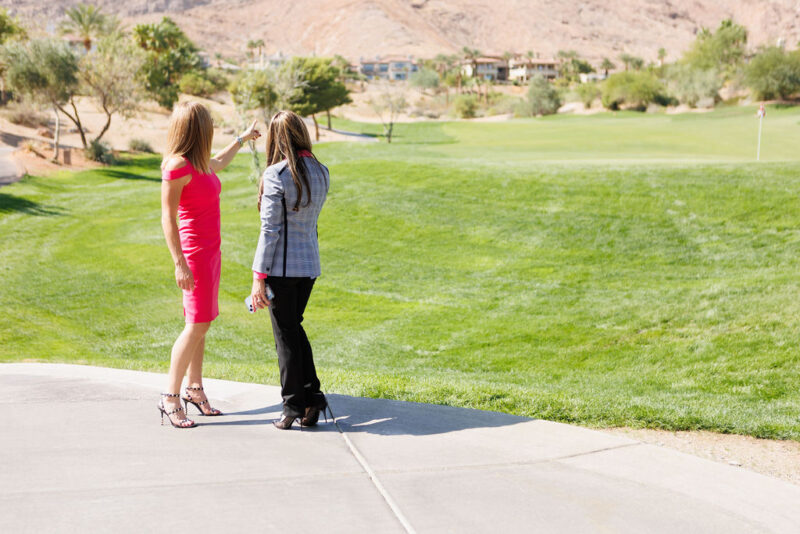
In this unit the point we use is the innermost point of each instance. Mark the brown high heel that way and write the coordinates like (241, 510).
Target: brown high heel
(187, 399)
(285, 422)
(312, 415)
(311, 418)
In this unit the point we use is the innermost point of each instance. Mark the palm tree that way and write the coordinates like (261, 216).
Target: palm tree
(251, 45)
(626, 60)
(607, 65)
(86, 22)
(567, 59)
(471, 55)
(152, 37)
(113, 25)
(441, 64)
(260, 45)
(218, 57)
(662, 54)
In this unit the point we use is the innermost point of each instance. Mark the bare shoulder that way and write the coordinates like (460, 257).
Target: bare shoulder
(174, 163)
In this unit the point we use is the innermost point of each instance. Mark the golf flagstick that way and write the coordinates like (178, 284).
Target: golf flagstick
(761, 113)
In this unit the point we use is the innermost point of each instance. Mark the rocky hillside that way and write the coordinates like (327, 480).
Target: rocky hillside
(355, 28)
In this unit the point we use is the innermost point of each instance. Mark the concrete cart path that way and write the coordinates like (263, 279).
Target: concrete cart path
(9, 170)
(83, 451)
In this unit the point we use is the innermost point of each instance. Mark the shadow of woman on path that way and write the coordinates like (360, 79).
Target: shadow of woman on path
(387, 417)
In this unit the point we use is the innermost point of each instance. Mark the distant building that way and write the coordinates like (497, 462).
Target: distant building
(264, 61)
(522, 69)
(353, 68)
(205, 59)
(490, 68)
(396, 68)
(277, 59)
(589, 77)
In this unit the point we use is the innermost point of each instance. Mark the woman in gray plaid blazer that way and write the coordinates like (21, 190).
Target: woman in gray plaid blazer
(291, 194)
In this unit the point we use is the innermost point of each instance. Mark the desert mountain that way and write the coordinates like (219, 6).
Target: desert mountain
(423, 28)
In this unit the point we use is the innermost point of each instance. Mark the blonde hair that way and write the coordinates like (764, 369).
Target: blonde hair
(191, 131)
(288, 135)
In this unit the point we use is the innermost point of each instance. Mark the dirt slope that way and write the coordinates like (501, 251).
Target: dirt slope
(355, 28)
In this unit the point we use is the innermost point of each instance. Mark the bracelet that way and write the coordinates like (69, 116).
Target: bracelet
(240, 141)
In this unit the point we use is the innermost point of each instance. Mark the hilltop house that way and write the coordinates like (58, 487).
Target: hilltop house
(263, 61)
(396, 68)
(522, 69)
(490, 68)
(589, 77)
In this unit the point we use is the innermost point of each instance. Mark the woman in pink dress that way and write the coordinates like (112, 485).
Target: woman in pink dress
(190, 192)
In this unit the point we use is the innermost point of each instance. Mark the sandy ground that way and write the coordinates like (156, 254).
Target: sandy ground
(775, 458)
(149, 124)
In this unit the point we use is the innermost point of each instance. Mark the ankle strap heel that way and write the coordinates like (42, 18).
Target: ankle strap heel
(181, 423)
(189, 399)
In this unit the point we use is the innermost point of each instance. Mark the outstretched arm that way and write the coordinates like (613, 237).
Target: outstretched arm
(224, 157)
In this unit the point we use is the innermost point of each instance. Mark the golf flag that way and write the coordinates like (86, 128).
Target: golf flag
(762, 112)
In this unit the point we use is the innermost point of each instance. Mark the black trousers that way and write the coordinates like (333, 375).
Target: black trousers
(300, 386)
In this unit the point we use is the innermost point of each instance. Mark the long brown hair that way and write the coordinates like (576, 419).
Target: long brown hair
(191, 131)
(288, 135)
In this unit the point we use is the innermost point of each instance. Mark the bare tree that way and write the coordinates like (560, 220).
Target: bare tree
(388, 105)
(109, 75)
(264, 91)
(45, 70)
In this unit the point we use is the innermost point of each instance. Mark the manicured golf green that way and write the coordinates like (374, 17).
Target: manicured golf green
(606, 270)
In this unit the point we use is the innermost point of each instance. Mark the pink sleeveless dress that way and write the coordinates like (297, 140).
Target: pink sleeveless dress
(199, 229)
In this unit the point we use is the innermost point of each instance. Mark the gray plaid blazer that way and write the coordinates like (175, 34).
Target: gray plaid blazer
(287, 245)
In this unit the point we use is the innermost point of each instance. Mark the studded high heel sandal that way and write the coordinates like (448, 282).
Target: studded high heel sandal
(182, 423)
(187, 399)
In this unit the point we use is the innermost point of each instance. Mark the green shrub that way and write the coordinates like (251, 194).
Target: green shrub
(465, 106)
(543, 99)
(218, 77)
(140, 145)
(633, 89)
(588, 93)
(101, 152)
(690, 85)
(774, 73)
(502, 104)
(424, 79)
(257, 89)
(194, 83)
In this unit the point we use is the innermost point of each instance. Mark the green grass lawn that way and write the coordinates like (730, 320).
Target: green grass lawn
(606, 270)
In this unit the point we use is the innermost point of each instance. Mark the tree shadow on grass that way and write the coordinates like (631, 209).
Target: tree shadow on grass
(125, 175)
(12, 204)
(120, 168)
